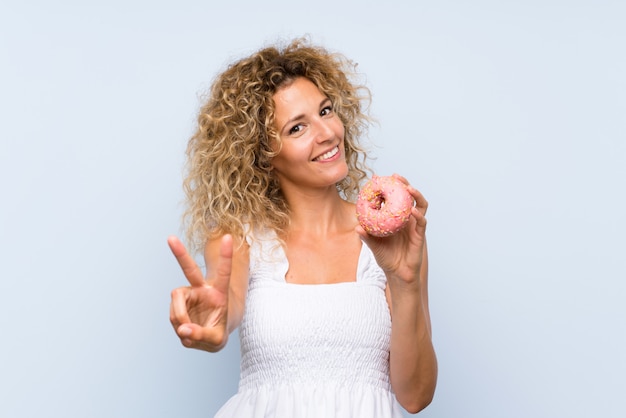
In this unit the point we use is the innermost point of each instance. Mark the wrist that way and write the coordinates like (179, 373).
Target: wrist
(405, 282)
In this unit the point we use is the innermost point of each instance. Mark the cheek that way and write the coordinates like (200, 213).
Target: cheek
(340, 130)
(287, 156)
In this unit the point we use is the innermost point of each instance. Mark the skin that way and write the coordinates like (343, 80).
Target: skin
(322, 246)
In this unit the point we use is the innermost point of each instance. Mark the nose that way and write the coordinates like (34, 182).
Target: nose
(323, 130)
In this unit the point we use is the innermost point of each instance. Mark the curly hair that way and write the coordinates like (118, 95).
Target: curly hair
(229, 185)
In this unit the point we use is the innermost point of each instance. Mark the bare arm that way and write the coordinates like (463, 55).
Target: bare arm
(404, 259)
(413, 364)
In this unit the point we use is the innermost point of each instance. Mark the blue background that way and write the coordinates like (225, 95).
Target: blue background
(508, 115)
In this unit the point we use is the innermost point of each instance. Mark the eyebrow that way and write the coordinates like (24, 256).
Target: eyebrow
(298, 117)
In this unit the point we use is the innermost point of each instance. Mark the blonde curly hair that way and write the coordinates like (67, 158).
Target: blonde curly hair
(229, 185)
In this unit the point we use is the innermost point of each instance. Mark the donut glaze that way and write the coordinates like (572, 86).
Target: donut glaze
(383, 206)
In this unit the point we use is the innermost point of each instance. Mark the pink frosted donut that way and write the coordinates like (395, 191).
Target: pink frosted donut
(383, 206)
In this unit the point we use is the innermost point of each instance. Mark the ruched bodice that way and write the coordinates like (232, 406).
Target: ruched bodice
(313, 350)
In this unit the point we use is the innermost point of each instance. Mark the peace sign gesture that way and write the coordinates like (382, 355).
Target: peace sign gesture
(199, 312)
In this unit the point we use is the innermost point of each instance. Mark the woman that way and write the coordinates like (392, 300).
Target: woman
(332, 322)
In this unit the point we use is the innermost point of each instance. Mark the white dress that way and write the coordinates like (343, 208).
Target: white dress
(313, 351)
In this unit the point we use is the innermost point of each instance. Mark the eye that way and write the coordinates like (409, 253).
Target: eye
(326, 110)
(295, 129)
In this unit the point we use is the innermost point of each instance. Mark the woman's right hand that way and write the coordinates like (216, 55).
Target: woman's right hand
(199, 312)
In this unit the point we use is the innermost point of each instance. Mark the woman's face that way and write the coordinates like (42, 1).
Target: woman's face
(312, 135)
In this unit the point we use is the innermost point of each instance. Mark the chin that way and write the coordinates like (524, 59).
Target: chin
(342, 176)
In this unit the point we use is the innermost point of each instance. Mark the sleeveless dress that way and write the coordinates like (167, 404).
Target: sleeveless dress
(313, 350)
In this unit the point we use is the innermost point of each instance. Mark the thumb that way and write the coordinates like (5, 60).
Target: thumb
(195, 336)
(369, 240)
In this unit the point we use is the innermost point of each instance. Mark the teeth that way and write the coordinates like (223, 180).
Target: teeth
(328, 154)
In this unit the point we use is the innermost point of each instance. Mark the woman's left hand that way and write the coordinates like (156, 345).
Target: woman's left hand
(401, 255)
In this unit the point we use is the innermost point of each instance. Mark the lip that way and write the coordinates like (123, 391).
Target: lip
(333, 158)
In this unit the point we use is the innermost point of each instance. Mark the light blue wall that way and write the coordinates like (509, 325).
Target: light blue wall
(508, 115)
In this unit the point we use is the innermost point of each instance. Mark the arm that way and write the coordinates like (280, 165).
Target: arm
(404, 259)
(204, 313)
(413, 364)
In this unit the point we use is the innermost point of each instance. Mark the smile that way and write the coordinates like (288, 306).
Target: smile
(327, 155)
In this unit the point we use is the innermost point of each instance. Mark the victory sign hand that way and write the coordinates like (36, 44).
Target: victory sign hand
(199, 312)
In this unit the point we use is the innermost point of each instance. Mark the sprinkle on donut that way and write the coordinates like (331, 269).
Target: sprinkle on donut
(383, 206)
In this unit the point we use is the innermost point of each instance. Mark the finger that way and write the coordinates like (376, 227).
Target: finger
(420, 219)
(190, 269)
(196, 336)
(420, 201)
(401, 178)
(178, 307)
(224, 264)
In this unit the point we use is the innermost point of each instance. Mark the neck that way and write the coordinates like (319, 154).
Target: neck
(319, 213)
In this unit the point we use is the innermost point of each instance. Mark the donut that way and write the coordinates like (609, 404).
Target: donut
(383, 206)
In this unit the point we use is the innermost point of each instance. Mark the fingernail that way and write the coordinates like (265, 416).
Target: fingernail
(184, 331)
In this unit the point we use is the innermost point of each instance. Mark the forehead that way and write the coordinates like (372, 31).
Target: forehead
(296, 96)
